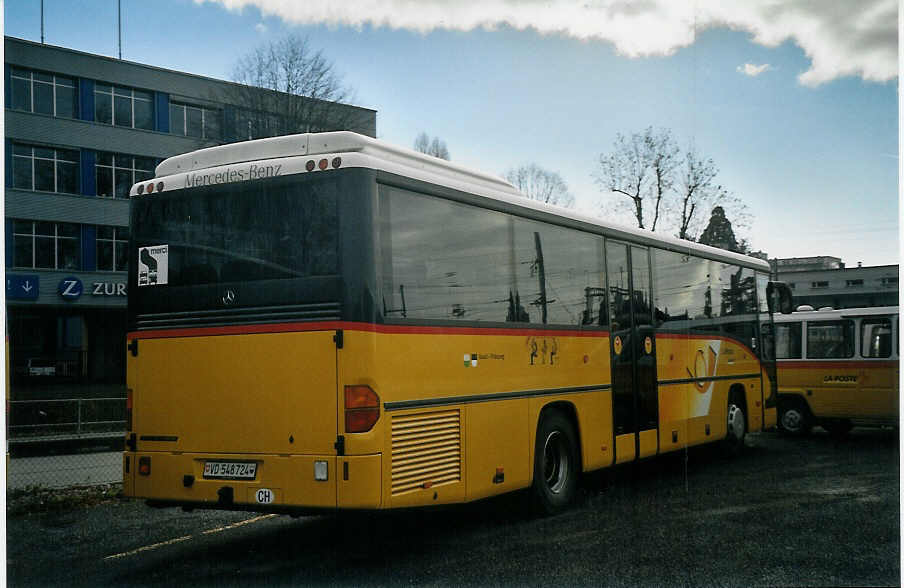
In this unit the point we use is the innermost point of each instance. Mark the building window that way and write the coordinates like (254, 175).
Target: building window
(43, 245)
(194, 121)
(45, 169)
(791, 285)
(819, 284)
(854, 283)
(116, 173)
(257, 125)
(44, 93)
(112, 252)
(123, 107)
(889, 281)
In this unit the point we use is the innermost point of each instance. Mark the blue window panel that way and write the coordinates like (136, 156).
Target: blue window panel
(86, 99)
(7, 85)
(89, 173)
(8, 151)
(161, 122)
(89, 248)
(9, 242)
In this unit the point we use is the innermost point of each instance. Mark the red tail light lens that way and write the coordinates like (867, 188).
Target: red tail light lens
(144, 465)
(362, 409)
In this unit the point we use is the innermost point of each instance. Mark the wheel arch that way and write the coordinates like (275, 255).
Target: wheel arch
(799, 399)
(569, 411)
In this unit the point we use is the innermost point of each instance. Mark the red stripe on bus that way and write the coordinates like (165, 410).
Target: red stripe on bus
(353, 326)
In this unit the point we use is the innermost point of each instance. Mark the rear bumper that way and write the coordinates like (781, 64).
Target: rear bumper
(281, 483)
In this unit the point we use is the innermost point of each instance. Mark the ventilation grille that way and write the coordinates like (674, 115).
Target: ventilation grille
(426, 450)
(328, 311)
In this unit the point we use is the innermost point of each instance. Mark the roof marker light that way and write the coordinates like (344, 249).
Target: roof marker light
(337, 161)
(323, 164)
(309, 165)
(160, 186)
(140, 189)
(150, 187)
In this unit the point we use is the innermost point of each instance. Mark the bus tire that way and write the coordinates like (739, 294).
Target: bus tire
(837, 428)
(556, 466)
(793, 418)
(736, 430)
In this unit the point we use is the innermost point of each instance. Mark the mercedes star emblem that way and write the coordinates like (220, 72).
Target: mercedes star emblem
(228, 297)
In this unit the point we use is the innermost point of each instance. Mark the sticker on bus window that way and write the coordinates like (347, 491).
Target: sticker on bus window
(153, 265)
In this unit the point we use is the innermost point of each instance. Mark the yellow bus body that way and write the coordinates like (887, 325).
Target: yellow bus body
(845, 391)
(276, 399)
(865, 392)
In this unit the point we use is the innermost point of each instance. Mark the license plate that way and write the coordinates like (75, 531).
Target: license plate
(233, 470)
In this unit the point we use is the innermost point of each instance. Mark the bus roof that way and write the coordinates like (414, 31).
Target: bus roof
(837, 313)
(224, 163)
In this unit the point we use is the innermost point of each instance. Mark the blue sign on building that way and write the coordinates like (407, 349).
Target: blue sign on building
(22, 286)
(70, 288)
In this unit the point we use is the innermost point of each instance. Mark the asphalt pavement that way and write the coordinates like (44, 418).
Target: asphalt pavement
(788, 512)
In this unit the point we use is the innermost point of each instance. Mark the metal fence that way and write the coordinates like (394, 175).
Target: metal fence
(65, 442)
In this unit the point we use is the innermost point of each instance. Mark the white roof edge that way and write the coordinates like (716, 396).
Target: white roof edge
(837, 313)
(312, 144)
(395, 159)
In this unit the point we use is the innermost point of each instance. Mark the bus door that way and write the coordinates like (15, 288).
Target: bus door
(633, 352)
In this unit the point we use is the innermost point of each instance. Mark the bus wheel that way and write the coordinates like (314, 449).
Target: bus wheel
(837, 427)
(793, 418)
(556, 465)
(737, 425)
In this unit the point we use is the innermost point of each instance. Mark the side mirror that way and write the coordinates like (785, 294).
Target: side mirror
(778, 296)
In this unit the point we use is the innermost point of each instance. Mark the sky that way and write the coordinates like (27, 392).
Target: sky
(794, 101)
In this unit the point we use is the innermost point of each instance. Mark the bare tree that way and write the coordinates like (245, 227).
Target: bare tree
(640, 167)
(697, 187)
(663, 155)
(676, 190)
(285, 86)
(699, 194)
(435, 146)
(539, 184)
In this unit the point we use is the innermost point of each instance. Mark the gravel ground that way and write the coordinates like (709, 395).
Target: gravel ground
(788, 512)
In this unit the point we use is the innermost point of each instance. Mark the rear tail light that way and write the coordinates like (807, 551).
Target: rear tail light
(129, 410)
(144, 465)
(362, 409)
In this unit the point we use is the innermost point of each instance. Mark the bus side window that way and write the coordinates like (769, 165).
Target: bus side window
(875, 337)
(788, 340)
(830, 339)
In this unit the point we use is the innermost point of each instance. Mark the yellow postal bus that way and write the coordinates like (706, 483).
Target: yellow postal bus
(324, 321)
(838, 368)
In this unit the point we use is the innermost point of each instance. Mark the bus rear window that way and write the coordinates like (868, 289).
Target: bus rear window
(262, 230)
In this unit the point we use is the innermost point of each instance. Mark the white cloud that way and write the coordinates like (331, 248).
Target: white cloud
(748, 69)
(840, 37)
(260, 27)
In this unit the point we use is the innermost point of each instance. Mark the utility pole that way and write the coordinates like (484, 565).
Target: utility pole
(542, 271)
(119, 26)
